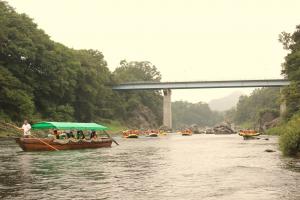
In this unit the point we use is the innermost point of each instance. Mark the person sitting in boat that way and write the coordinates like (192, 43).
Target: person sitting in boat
(70, 134)
(93, 135)
(63, 136)
(26, 129)
(80, 134)
(56, 134)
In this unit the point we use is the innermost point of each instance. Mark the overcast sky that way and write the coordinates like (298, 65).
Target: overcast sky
(186, 40)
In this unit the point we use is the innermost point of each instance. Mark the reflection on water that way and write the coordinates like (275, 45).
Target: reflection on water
(173, 167)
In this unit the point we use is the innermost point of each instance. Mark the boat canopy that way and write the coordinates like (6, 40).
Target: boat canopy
(68, 126)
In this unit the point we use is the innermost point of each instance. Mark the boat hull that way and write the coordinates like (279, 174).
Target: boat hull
(153, 135)
(38, 144)
(186, 134)
(132, 136)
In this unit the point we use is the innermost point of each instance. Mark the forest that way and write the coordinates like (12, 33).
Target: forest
(251, 109)
(41, 79)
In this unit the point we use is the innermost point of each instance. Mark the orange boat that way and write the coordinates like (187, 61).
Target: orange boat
(131, 134)
(186, 132)
(52, 144)
(249, 134)
(153, 133)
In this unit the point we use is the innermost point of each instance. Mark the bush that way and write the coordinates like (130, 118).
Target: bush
(278, 130)
(289, 141)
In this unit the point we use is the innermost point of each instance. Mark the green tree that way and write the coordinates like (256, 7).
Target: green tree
(15, 100)
(250, 108)
(291, 69)
(185, 114)
(139, 71)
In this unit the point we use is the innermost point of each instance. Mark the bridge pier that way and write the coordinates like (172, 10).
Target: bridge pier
(167, 109)
(282, 104)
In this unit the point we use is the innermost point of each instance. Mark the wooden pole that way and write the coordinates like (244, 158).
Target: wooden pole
(111, 138)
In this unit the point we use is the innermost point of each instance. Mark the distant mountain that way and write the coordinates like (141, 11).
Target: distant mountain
(226, 102)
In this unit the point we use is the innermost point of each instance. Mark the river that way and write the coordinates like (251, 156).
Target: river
(205, 167)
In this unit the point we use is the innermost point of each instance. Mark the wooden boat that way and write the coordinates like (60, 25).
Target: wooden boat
(40, 144)
(51, 144)
(249, 134)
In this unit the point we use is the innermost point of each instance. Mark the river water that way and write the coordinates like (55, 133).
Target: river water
(205, 167)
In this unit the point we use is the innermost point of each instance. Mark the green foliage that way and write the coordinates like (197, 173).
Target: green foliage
(290, 131)
(251, 108)
(185, 114)
(278, 130)
(41, 79)
(289, 141)
(291, 69)
(139, 71)
(16, 103)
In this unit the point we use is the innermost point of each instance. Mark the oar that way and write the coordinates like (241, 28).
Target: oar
(19, 129)
(111, 138)
(45, 143)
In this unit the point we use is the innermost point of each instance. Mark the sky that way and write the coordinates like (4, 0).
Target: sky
(187, 40)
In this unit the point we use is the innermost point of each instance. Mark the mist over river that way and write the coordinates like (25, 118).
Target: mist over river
(205, 167)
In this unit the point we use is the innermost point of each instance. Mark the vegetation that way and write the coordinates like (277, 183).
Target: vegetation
(290, 138)
(250, 110)
(44, 80)
(185, 114)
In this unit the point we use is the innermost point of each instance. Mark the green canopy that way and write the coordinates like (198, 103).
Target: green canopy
(68, 126)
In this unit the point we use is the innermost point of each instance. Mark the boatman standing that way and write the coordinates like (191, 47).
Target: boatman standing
(26, 129)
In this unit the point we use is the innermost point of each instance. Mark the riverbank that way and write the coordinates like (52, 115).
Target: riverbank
(289, 136)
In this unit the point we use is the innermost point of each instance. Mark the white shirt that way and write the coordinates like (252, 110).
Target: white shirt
(26, 128)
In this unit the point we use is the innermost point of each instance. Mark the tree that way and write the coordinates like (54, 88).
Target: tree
(291, 69)
(139, 71)
(185, 114)
(248, 108)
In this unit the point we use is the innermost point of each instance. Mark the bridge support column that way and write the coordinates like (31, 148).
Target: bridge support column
(167, 109)
(282, 104)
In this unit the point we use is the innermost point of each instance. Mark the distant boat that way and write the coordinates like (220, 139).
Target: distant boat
(163, 133)
(52, 144)
(152, 135)
(249, 134)
(187, 132)
(131, 134)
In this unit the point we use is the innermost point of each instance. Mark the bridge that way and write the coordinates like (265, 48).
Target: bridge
(167, 86)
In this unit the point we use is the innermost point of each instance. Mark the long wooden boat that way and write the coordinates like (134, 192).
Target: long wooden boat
(51, 144)
(40, 144)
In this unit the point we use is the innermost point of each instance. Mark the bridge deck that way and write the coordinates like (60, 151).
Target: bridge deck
(201, 84)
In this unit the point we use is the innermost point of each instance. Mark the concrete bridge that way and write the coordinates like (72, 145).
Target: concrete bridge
(167, 86)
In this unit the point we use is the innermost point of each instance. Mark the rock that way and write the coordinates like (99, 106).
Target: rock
(142, 118)
(266, 139)
(269, 150)
(209, 131)
(223, 128)
(195, 129)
